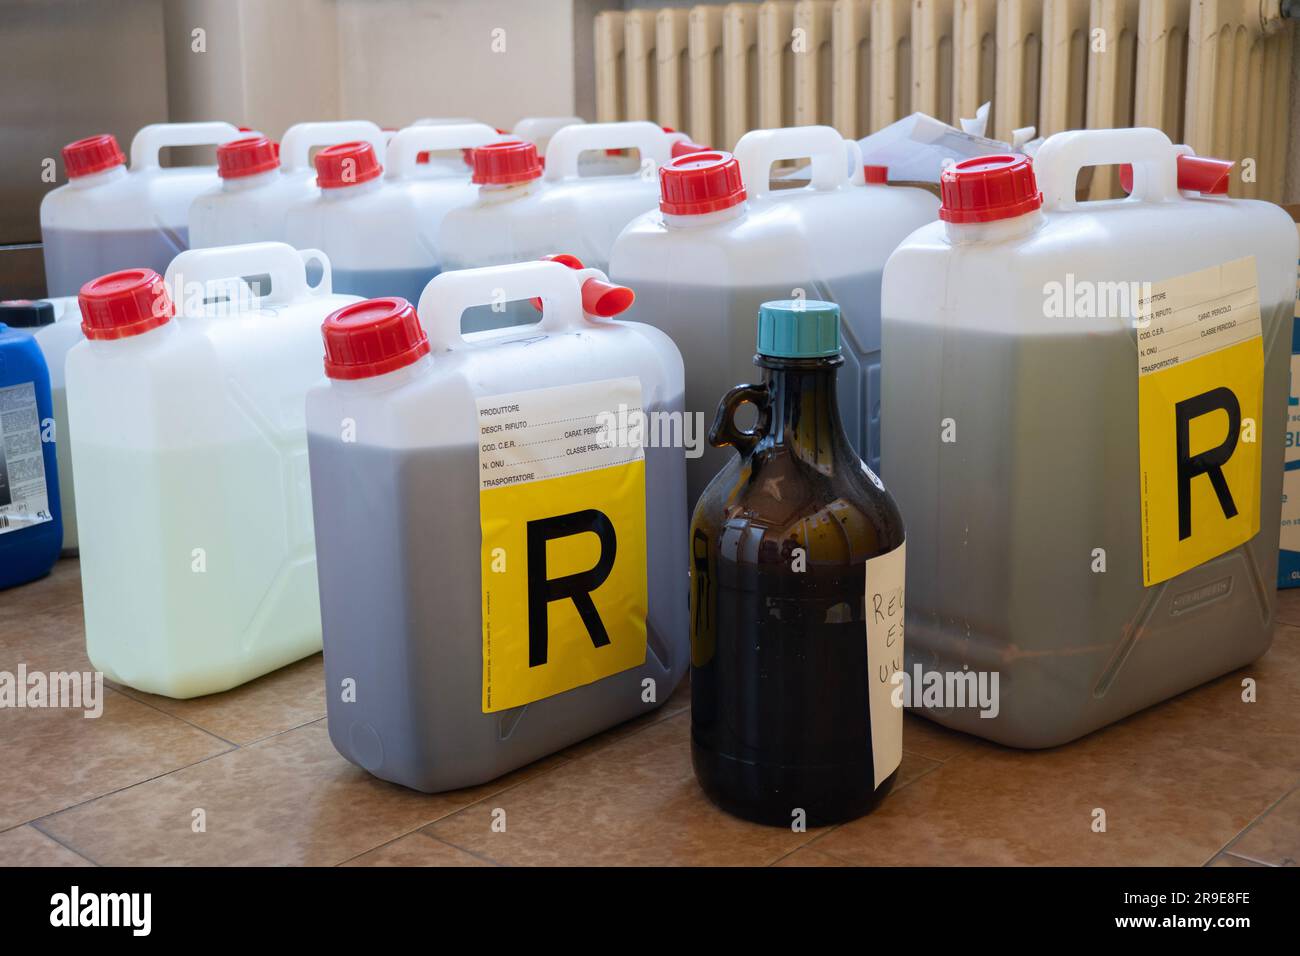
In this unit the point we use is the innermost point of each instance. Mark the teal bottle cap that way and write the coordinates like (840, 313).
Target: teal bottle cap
(799, 328)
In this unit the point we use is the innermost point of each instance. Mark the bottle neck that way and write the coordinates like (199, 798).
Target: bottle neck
(240, 183)
(697, 220)
(505, 192)
(995, 231)
(803, 408)
(95, 179)
(344, 193)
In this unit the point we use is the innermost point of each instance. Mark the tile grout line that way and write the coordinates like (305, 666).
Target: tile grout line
(419, 828)
(419, 832)
(1227, 847)
(380, 846)
(811, 844)
(183, 720)
(827, 831)
(35, 825)
(36, 821)
(52, 611)
(806, 845)
(1241, 856)
(564, 763)
(232, 747)
(478, 856)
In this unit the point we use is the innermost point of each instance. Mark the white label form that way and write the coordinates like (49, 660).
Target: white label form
(551, 432)
(24, 499)
(1195, 314)
(885, 586)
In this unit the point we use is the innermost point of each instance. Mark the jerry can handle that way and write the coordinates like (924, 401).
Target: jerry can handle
(724, 431)
(760, 148)
(151, 139)
(857, 172)
(1153, 157)
(406, 146)
(532, 128)
(301, 138)
(570, 142)
(445, 299)
(286, 266)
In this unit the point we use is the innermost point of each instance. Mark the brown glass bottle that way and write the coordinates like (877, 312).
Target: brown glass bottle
(781, 721)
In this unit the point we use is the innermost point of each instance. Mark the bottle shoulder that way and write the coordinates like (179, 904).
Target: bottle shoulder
(774, 502)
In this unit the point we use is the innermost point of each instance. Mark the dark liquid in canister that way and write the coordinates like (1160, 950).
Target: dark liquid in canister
(781, 723)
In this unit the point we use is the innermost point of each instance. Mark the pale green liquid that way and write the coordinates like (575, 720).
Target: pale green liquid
(166, 618)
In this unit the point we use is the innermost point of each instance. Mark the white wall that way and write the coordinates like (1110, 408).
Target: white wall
(271, 63)
(493, 60)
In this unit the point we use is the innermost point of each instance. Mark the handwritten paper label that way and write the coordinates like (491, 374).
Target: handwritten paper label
(885, 657)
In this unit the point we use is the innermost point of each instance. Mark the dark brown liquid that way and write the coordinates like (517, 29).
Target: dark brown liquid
(780, 710)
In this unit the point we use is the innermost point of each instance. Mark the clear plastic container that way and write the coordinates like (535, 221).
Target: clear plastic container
(107, 217)
(198, 563)
(523, 212)
(1035, 465)
(260, 182)
(381, 232)
(433, 462)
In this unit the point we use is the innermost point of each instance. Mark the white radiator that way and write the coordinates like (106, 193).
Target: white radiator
(1214, 74)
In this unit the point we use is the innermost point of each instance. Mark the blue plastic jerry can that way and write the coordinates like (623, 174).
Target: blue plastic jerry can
(31, 525)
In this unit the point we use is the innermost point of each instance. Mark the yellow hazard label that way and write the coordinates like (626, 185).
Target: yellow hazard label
(1200, 404)
(562, 515)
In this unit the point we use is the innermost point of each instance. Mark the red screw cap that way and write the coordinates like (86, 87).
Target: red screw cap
(700, 182)
(94, 154)
(347, 164)
(1197, 173)
(123, 304)
(875, 175)
(988, 188)
(503, 164)
(246, 157)
(371, 338)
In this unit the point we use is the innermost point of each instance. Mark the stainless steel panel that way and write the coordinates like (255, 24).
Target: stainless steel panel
(68, 69)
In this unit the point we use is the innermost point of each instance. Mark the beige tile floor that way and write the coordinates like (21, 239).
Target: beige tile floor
(1202, 779)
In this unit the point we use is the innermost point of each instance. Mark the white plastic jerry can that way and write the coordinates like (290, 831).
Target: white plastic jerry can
(1084, 408)
(523, 213)
(197, 559)
(108, 217)
(301, 138)
(261, 181)
(450, 162)
(436, 187)
(55, 324)
(722, 242)
(539, 596)
(381, 232)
